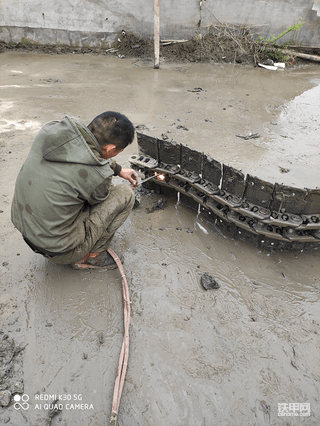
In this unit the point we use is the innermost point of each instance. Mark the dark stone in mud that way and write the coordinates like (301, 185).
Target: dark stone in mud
(100, 338)
(5, 398)
(182, 127)
(208, 282)
(137, 200)
(160, 205)
(196, 90)
(18, 387)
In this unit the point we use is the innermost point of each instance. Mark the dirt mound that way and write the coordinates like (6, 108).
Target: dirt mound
(208, 48)
(223, 44)
(52, 49)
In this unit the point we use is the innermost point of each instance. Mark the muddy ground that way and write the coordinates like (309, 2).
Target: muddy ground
(227, 356)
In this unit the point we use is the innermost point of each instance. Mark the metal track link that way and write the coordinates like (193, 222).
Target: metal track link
(260, 225)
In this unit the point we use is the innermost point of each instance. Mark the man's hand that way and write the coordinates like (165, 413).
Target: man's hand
(130, 175)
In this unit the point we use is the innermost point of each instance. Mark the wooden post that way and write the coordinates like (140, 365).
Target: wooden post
(156, 34)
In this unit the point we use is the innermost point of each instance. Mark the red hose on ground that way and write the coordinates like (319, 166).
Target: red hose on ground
(124, 354)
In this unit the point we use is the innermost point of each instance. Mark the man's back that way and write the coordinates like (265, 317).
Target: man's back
(56, 185)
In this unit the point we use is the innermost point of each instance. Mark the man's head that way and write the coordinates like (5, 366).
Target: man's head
(113, 131)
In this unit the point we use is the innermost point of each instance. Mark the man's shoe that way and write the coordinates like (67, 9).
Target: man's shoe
(102, 260)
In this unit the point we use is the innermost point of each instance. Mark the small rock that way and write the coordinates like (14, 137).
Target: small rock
(18, 387)
(5, 398)
(137, 200)
(164, 136)
(208, 282)
(6, 420)
(100, 338)
(160, 205)
(182, 127)
(196, 89)
(284, 170)
(141, 127)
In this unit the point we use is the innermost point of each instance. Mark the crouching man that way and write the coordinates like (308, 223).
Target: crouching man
(65, 204)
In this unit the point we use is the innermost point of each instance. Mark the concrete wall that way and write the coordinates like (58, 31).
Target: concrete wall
(96, 22)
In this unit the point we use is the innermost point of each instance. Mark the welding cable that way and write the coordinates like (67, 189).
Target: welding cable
(124, 354)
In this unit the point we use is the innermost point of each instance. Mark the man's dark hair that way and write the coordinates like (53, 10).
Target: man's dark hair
(112, 128)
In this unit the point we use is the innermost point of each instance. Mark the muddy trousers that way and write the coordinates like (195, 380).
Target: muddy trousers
(103, 221)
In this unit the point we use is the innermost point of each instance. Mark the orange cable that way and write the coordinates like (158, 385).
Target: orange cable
(124, 354)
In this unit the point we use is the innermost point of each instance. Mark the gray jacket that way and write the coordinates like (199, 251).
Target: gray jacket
(60, 178)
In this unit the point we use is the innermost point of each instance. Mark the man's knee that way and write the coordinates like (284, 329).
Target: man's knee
(126, 194)
(120, 200)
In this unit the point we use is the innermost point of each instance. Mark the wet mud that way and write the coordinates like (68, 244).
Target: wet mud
(223, 356)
